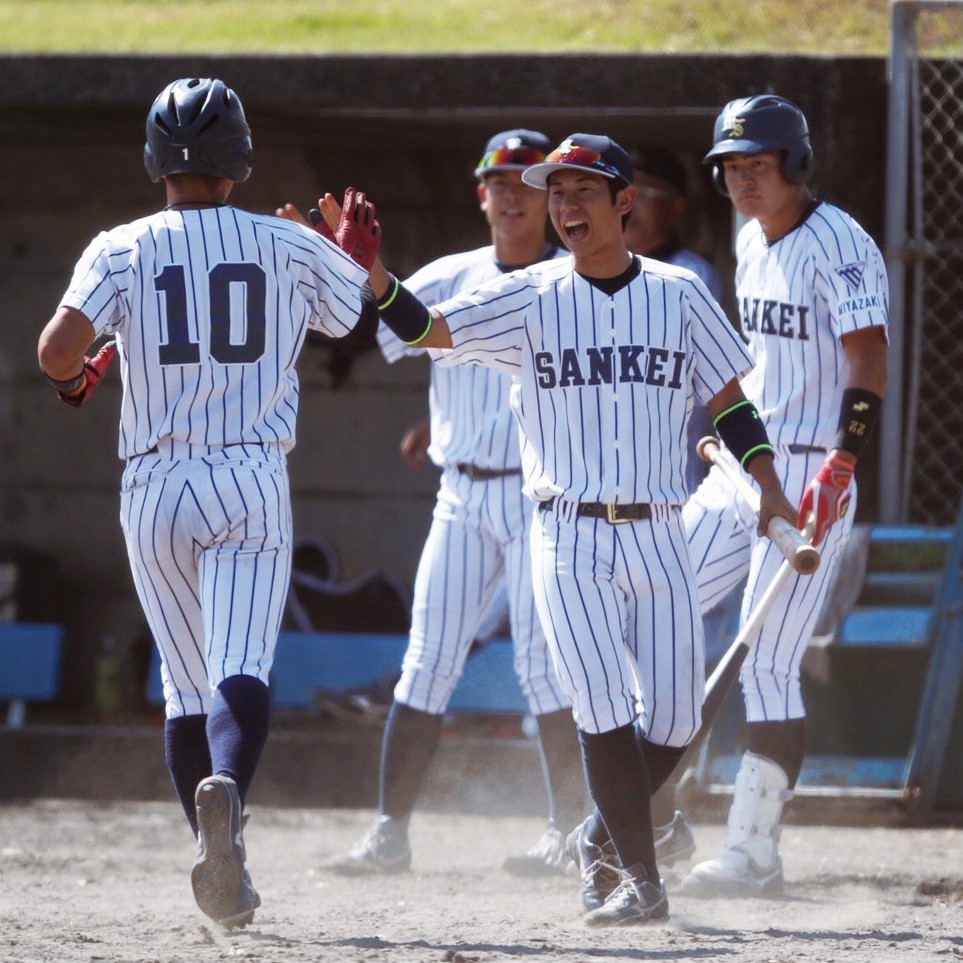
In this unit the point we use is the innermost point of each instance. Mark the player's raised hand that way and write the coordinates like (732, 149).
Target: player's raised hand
(358, 233)
(94, 369)
(290, 213)
(827, 496)
(314, 219)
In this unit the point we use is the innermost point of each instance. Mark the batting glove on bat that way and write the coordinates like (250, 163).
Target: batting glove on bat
(94, 369)
(827, 497)
(359, 233)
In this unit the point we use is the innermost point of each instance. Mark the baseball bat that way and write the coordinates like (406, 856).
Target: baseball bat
(789, 540)
(727, 670)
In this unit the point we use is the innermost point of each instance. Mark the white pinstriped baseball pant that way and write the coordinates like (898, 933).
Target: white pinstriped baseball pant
(725, 549)
(478, 536)
(208, 538)
(621, 614)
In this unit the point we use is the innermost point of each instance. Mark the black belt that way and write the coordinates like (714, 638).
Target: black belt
(806, 450)
(483, 474)
(613, 514)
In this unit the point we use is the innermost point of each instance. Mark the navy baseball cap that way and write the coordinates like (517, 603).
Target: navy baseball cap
(594, 153)
(659, 164)
(513, 150)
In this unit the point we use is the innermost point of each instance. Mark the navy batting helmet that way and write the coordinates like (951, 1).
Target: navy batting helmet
(197, 126)
(753, 125)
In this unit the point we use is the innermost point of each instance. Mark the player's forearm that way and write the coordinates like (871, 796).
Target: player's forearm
(380, 279)
(408, 317)
(63, 344)
(772, 498)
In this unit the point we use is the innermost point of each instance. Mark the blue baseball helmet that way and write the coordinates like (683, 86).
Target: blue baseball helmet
(197, 126)
(753, 125)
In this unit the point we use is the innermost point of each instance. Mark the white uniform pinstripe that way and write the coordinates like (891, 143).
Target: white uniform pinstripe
(603, 389)
(478, 537)
(210, 309)
(797, 298)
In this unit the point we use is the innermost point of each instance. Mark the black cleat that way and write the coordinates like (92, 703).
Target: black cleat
(634, 902)
(598, 866)
(221, 884)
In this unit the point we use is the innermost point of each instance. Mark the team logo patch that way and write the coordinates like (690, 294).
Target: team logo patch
(733, 125)
(852, 274)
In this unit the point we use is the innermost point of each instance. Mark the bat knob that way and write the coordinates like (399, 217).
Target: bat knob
(807, 560)
(702, 448)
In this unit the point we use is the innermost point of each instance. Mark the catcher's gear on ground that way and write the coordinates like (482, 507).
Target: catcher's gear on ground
(827, 496)
(755, 125)
(359, 233)
(197, 126)
(94, 369)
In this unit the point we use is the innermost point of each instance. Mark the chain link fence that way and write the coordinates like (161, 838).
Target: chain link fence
(922, 464)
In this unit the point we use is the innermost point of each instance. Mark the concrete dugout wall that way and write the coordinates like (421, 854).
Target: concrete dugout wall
(408, 130)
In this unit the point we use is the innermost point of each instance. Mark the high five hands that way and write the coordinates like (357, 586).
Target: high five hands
(352, 225)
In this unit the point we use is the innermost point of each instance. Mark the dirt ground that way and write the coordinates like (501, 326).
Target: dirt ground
(110, 882)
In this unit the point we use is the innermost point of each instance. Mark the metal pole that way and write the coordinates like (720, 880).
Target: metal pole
(897, 175)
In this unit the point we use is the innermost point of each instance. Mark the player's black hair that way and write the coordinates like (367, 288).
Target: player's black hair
(616, 184)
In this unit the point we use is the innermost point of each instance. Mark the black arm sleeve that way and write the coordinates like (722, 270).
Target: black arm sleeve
(362, 335)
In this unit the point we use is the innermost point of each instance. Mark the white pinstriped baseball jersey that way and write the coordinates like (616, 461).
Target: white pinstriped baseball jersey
(210, 308)
(223, 299)
(604, 384)
(797, 298)
(471, 420)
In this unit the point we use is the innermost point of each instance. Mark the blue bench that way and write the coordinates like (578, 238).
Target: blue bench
(344, 661)
(29, 666)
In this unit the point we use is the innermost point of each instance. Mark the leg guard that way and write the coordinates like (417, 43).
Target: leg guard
(750, 863)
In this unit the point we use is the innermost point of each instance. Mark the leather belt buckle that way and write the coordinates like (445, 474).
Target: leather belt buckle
(612, 515)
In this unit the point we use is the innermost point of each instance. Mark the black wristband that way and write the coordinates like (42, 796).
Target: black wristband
(405, 314)
(743, 432)
(69, 385)
(858, 415)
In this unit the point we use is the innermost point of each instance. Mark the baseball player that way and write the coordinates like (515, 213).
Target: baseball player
(608, 352)
(478, 540)
(812, 296)
(209, 306)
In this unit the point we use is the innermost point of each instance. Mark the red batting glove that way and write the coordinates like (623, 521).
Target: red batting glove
(94, 369)
(827, 497)
(359, 233)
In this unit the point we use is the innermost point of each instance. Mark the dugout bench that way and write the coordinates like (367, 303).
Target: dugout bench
(29, 666)
(342, 662)
(883, 718)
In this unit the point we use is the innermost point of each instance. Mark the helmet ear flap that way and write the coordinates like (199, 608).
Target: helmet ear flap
(798, 163)
(719, 179)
